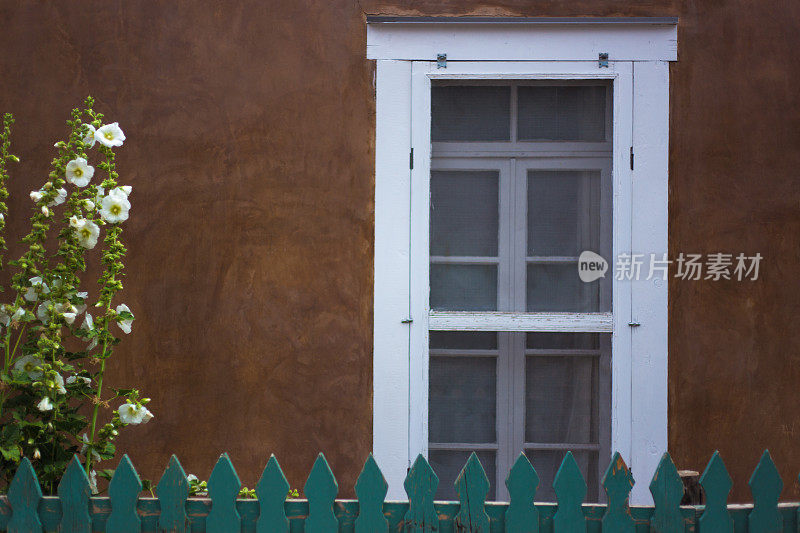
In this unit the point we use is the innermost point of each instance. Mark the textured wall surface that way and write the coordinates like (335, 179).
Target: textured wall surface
(250, 148)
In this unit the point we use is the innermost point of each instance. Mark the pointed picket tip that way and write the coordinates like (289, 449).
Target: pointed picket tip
(618, 483)
(716, 483)
(570, 489)
(716, 476)
(420, 484)
(223, 487)
(74, 492)
(172, 491)
(24, 495)
(569, 480)
(124, 492)
(667, 490)
(321, 480)
(371, 489)
(272, 489)
(320, 491)
(618, 477)
(472, 487)
(765, 477)
(766, 486)
(522, 483)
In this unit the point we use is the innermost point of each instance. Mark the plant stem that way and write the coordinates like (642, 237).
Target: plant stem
(96, 407)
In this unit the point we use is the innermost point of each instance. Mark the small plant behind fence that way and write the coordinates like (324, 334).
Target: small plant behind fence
(24, 509)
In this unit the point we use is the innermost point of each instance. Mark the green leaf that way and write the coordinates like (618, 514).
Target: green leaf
(12, 454)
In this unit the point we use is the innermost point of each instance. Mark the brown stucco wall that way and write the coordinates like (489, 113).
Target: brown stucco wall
(250, 149)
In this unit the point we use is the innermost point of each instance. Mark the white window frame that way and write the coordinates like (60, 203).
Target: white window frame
(639, 51)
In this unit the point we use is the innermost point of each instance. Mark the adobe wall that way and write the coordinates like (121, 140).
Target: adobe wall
(251, 152)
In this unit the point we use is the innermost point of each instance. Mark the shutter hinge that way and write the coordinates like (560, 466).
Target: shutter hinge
(411, 159)
(631, 157)
(441, 60)
(408, 320)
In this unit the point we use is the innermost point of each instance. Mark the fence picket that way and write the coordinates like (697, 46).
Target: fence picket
(321, 489)
(522, 482)
(766, 486)
(172, 492)
(472, 486)
(24, 494)
(223, 487)
(716, 483)
(421, 484)
(74, 491)
(570, 489)
(124, 490)
(667, 490)
(371, 488)
(272, 490)
(618, 483)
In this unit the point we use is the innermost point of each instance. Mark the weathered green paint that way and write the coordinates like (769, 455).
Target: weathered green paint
(472, 486)
(124, 490)
(421, 484)
(618, 483)
(442, 516)
(570, 489)
(522, 482)
(74, 492)
(716, 483)
(321, 489)
(24, 494)
(371, 488)
(271, 490)
(172, 491)
(223, 487)
(667, 490)
(766, 486)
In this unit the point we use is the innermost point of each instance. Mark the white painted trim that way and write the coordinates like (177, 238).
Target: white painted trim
(504, 321)
(506, 41)
(639, 406)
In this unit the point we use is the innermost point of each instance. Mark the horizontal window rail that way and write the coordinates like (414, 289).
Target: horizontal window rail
(24, 509)
(514, 321)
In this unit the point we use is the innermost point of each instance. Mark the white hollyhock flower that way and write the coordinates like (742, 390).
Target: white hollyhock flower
(5, 318)
(109, 135)
(93, 482)
(60, 198)
(42, 312)
(38, 286)
(88, 204)
(114, 207)
(18, 314)
(85, 446)
(59, 380)
(45, 211)
(88, 322)
(29, 364)
(74, 379)
(36, 196)
(125, 189)
(68, 311)
(124, 325)
(134, 414)
(75, 222)
(86, 232)
(79, 172)
(89, 139)
(191, 478)
(100, 193)
(45, 404)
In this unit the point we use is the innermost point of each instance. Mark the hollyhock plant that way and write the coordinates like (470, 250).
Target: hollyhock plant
(52, 400)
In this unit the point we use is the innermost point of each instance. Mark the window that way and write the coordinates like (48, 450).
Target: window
(495, 169)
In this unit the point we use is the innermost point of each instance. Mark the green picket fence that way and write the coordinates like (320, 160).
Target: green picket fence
(73, 510)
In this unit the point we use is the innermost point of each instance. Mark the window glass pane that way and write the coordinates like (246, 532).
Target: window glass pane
(448, 464)
(463, 399)
(562, 341)
(464, 218)
(563, 212)
(464, 287)
(463, 340)
(546, 463)
(561, 399)
(569, 113)
(557, 288)
(470, 113)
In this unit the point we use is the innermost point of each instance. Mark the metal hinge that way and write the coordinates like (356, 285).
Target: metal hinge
(407, 321)
(411, 159)
(602, 60)
(441, 60)
(631, 157)
(634, 324)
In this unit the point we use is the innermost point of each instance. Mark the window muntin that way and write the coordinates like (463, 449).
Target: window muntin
(542, 203)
